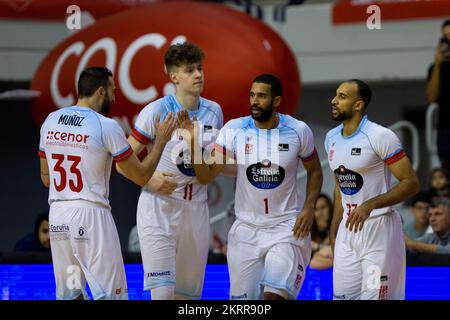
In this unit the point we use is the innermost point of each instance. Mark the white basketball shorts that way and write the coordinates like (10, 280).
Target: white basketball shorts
(174, 239)
(85, 246)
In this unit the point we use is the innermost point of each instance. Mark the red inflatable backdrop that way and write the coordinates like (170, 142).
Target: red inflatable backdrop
(132, 44)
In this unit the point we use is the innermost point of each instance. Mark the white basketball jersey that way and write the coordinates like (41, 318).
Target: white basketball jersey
(267, 163)
(360, 162)
(176, 158)
(79, 145)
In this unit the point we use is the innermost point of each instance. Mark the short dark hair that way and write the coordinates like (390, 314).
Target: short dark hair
(445, 23)
(421, 197)
(91, 79)
(437, 201)
(182, 54)
(275, 83)
(363, 92)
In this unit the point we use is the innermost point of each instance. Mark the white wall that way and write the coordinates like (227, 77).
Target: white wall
(23, 45)
(328, 53)
(325, 53)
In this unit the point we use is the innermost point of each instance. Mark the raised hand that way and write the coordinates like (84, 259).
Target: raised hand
(184, 122)
(165, 129)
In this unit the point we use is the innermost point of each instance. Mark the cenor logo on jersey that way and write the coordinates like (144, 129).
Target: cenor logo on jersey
(350, 181)
(265, 175)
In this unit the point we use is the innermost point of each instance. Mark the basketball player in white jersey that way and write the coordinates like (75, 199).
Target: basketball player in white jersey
(77, 147)
(369, 251)
(269, 245)
(173, 227)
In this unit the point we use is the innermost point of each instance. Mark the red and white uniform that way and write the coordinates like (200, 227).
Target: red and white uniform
(80, 145)
(263, 254)
(360, 162)
(174, 230)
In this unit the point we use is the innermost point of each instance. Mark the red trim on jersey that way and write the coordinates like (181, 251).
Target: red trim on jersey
(395, 157)
(41, 154)
(140, 137)
(310, 157)
(222, 150)
(124, 155)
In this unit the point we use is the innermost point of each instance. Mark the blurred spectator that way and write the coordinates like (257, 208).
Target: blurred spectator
(419, 209)
(437, 242)
(39, 240)
(439, 183)
(322, 257)
(322, 221)
(218, 254)
(133, 241)
(437, 90)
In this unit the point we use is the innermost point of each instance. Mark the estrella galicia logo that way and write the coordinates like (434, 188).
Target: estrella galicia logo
(350, 181)
(80, 231)
(265, 175)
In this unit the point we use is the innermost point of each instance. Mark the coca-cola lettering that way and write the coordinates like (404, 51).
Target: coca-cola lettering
(135, 55)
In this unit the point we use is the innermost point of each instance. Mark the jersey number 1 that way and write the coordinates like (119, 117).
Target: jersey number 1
(266, 205)
(75, 187)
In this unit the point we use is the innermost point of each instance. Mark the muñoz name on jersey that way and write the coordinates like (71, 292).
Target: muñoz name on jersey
(176, 158)
(80, 145)
(360, 162)
(267, 162)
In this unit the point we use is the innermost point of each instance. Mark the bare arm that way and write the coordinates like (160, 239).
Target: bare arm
(313, 185)
(408, 186)
(137, 148)
(44, 172)
(420, 246)
(208, 172)
(160, 182)
(141, 172)
(205, 172)
(338, 211)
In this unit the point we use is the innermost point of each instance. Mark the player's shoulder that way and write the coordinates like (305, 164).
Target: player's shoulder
(159, 105)
(106, 123)
(375, 131)
(238, 123)
(293, 123)
(52, 115)
(210, 104)
(335, 131)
